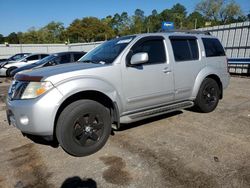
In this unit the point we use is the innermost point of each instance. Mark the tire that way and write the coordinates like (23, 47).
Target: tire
(208, 96)
(9, 71)
(83, 127)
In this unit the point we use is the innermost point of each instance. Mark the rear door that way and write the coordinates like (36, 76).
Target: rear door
(187, 64)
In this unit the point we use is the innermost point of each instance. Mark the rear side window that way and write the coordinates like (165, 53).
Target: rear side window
(33, 57)
(185, 49)
(65, 58)
(77, 56)
(43, 56)
(213, 47)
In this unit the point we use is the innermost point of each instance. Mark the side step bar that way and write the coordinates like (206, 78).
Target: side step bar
(155, 112)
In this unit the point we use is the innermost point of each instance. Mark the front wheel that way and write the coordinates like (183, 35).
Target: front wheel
(208, 96)
(83, 127)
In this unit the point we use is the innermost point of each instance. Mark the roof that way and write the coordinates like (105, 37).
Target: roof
(178, 33)
(69, 52)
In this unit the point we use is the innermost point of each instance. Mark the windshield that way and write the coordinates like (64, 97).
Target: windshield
(107, 52)
(45, 60)
(17, 57)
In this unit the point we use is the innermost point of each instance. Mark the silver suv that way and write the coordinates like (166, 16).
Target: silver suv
(121, 81)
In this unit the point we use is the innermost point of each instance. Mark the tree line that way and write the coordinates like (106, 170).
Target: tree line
(87, 29)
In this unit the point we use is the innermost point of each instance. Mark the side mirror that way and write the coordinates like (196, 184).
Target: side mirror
(25, 60)
(139, 58)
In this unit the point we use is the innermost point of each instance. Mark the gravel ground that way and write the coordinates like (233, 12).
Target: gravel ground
(181, 149)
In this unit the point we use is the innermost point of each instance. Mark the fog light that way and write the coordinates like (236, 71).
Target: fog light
(24, 120)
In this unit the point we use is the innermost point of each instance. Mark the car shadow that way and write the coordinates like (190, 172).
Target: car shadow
(193, 109)
(54, 143)
(43, 140)
(76, 182)
(146, 121)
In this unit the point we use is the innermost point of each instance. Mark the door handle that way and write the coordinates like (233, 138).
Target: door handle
(166, 70)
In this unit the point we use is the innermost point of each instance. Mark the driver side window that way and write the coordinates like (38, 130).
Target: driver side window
(155, 49)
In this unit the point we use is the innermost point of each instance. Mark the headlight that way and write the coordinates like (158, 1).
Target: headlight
(35, 89)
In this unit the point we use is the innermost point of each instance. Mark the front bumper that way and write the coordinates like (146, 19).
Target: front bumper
(35, 116)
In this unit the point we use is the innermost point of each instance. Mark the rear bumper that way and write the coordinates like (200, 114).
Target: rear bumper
(225, 80)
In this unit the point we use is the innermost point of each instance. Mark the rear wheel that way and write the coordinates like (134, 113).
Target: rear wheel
(83, 127)
(208, 96)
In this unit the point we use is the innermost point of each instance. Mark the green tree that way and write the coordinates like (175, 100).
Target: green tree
(230, 12)
(1, 39)
(220, 11)
(179, 14)
(125, 24)
(153, 22)
(74, 31)
(139, 21)
(53, 32)
(30, 37)
(108, 20)
(166, 15)
(12, 38)
(210, 9)
(176, 14)
(115, 23)
(195, 20)
(89, 29)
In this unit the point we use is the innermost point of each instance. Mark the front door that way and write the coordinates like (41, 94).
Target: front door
(149, 84)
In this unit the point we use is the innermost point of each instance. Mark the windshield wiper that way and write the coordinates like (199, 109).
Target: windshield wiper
(89, 61)
(92, 61)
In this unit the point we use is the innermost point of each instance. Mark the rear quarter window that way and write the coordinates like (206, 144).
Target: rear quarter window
(213, 47)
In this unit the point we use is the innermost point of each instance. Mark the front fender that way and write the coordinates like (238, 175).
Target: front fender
(75, 85)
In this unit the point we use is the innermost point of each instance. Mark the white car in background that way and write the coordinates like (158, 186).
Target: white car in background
(7, 67)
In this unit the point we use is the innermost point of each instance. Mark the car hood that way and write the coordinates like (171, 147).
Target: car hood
(67, 69)
(27, 67)
(2, 63)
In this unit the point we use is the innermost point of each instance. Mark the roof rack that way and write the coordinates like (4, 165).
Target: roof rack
(186, 31)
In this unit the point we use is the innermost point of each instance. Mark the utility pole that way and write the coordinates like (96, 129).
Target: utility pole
(195, 23)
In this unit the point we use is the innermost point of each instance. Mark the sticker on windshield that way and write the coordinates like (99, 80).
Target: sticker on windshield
(124, 41)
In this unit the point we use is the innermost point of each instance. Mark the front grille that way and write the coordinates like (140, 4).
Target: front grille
(16, 90)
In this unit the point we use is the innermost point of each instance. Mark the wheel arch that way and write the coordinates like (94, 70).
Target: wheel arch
(8, 70)
(203, 75)
(218, 81)
(91, 95)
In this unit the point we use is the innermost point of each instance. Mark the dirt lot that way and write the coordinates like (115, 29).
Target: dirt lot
(182, 149)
